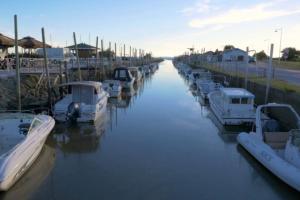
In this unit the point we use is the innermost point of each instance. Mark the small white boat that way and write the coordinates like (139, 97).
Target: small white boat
(85, 102)
(153, 67)
(123, 75)
(142, 71)
(147, 70)
(112, 87)
(22, 137)
(276, 142)
(206, 86)
(135, 73)
(233, 106)
(197, 74)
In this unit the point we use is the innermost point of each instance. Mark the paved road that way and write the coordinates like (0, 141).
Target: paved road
(290, 76)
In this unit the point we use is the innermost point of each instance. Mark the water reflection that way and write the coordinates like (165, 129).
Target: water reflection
(35, 176)
(157, 142)
(80, 137)
(259, 172)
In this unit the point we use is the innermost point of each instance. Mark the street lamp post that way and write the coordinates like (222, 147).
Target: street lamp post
(281, 30)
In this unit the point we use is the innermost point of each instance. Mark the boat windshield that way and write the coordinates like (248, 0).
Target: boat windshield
(35, 124)
(280, 119)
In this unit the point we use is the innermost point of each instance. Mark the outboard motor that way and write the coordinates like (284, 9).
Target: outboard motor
(73, 111)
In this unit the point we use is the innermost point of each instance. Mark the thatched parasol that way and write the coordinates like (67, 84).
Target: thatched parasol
(31, 43)
(6, 41)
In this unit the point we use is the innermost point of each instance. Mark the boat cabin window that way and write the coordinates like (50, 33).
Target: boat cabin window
(246, 101)
(235, 101)
(122, 74)
(83, 94)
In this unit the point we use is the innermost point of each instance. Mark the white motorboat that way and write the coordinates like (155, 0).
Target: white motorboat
(206, 86)
(85, 102)
(123, 75)
(135, 73)
(142, 71)
(233, 106)
(153, 67)
(112, 87)
(22, 138)
(275, 143)
(147, 70)
(197, 74)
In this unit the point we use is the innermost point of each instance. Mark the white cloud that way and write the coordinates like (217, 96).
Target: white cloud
(201, 6)
(258, 12)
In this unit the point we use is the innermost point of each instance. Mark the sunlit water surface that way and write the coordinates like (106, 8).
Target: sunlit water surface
(158, 144)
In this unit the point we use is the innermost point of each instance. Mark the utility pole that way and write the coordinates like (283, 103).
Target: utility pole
(280, 41)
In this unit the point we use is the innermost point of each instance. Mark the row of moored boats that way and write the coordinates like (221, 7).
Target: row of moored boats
(23, 135)
(275, 137)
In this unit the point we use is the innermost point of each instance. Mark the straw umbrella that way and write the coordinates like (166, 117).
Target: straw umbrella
(6, 41)
(31, 43)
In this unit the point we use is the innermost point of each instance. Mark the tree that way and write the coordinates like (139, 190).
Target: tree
(228, 47)
(261, 55)
(290, 53)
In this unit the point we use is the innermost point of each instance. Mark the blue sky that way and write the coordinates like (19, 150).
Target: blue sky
(164, 27)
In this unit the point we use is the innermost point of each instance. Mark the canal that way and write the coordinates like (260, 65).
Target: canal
(158, 144)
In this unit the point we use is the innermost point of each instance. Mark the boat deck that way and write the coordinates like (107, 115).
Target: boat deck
(12, 132)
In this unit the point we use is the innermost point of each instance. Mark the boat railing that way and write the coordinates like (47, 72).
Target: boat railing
(40, 110)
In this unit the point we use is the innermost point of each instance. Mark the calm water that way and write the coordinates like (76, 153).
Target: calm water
(158, 144)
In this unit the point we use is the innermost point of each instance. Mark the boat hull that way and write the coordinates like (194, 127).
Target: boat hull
(21, 159)
(267, 157)
(85, 116)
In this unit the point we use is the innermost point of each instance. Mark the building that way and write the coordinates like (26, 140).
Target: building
(235, 55)
(84, 50)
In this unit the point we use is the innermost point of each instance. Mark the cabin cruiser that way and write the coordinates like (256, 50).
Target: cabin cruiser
(275, 142)
(123, 75)
(112, 87)
(135, 73)
(85, 102)
(196, 74)
(206, 86)
(22, 137)
(233, 106)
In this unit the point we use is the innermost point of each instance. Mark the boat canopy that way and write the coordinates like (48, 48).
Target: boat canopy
(83, 83)
(84, 91)
(236, 93)
(280, 117)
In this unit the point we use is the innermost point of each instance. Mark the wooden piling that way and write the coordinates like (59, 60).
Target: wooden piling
(77, 56)
(47, 71)
(66, 71)
(97, 58)
(17, 64)
(115, 52)
(269, 75)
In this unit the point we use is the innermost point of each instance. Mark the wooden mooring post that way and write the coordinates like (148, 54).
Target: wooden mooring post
(77, 56)
(17, 64)
(269, 74)
(47, 71)
(97, 58)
